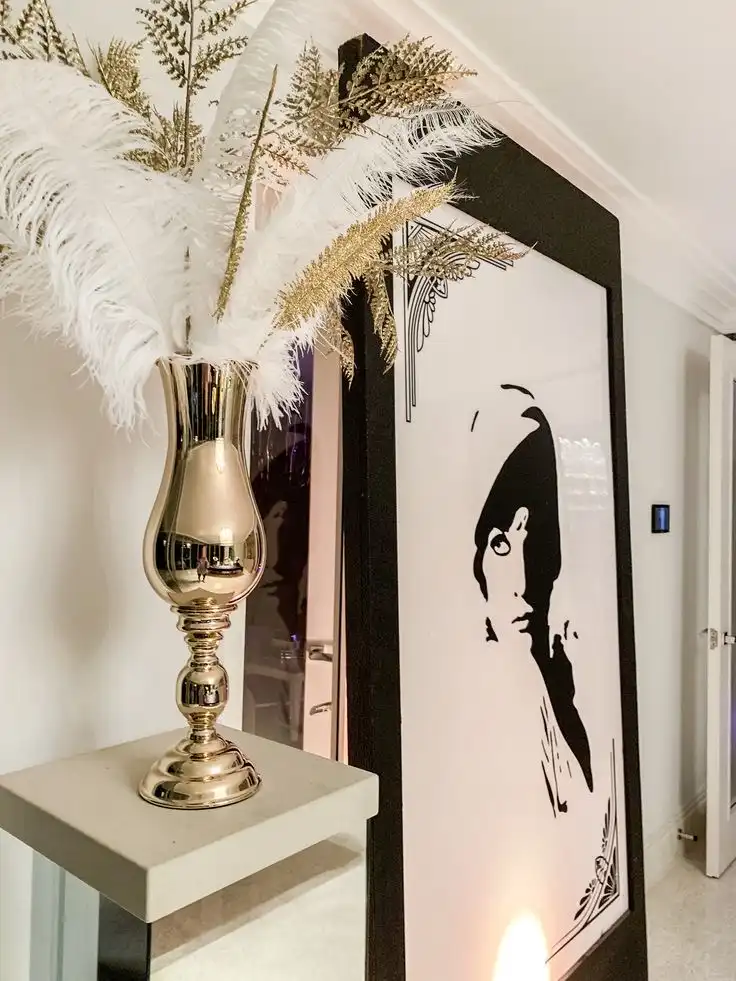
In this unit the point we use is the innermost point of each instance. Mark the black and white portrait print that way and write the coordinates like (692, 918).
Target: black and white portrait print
(514, 808)
(518, 560)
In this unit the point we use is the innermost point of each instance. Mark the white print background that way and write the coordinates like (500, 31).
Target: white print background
(482, 845)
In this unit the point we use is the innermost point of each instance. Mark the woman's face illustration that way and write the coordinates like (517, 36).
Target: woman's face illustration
(503, 566)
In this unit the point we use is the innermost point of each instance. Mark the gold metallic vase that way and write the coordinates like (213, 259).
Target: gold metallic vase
(204, 551)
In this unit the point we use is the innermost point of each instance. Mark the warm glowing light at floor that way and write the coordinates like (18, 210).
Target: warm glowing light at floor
(523, 953)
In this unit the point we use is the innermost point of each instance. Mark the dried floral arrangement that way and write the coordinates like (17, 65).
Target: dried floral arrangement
(136, 236)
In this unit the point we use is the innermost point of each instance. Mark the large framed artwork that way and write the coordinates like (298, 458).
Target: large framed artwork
(491, 669)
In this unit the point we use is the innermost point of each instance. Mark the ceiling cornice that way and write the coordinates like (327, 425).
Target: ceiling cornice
(656, 249)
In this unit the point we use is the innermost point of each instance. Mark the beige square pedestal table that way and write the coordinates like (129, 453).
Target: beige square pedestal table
(271, 888)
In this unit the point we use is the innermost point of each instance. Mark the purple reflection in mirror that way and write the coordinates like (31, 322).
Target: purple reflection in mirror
(276, 612)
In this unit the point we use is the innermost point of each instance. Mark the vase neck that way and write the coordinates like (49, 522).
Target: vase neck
(206, 402)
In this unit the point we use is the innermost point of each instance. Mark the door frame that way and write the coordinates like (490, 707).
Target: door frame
(513, 190)
(720, 815)
(324, 562)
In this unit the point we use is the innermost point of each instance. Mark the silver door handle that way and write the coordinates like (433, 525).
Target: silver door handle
(319, 709)
(729, 639)
(320, 651)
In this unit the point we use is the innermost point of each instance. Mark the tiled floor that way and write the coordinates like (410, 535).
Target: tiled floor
(692, 926)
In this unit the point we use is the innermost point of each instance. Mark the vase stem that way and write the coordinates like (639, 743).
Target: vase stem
(202, 687)
(204, 769)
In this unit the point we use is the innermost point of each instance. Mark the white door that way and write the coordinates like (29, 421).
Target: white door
(721, 801)
(321, 682)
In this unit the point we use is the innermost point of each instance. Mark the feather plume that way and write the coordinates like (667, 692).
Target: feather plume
(25, 276)
(342, 188)
(277, 388)
(277, 42)
(130, 264)
(346, 184)
(98, 242)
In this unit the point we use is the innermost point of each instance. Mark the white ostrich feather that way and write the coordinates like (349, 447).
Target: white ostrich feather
(99, 243)
(277, 389)
(24, 276)
(277, 42)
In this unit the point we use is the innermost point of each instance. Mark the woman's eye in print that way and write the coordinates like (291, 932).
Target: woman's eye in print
(499, 543)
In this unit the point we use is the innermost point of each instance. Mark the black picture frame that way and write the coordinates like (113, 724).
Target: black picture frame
(513, 191)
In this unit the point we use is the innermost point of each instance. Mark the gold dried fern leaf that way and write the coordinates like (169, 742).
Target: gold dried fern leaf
(165, 25)
(403, 78)
(36, 34)
(451, 254)
(327, 278)
(186, 36)
(399, 80)
(312, 120)
(219, 21)
(27, 21)
(307, 122)
(118, 66)
(14, 45)
(282, 156)
(333, 336)
(178, 145)
(384, 323)
(212, 57)
(52, 42)
(181, 33)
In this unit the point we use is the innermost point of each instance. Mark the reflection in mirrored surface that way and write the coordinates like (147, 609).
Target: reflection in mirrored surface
(585, 476)
(77, 934)
(204, 541)
(276, 612)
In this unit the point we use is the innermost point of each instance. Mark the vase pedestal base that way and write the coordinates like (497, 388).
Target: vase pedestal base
(195, 775)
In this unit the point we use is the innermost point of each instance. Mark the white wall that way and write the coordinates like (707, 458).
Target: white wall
(667, 388)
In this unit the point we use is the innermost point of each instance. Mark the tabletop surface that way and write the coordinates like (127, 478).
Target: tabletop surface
(84, 813)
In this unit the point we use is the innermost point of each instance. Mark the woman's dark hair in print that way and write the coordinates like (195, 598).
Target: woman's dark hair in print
(528, 479)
